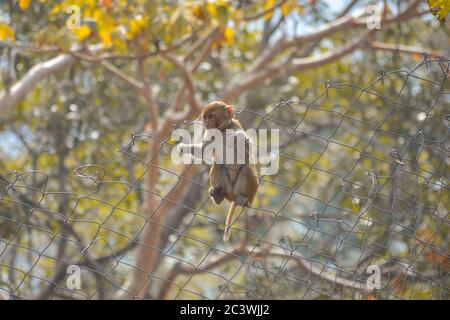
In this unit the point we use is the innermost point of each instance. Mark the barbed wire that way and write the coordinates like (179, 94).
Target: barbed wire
(356, 190)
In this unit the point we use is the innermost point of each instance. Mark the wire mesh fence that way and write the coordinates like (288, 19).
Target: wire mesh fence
(358, 209)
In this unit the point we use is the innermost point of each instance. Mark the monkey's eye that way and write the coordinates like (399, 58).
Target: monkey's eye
(210, 116)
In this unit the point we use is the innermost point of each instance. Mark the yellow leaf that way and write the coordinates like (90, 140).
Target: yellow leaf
(82, 33)
(6, 32)
(197, 11)
(168, 37)
(289, 7)
(119, 44)
(439, 8)
(269, 5)
(24, 4)
(106, 38)
(285, 9)
(135, 26)
(56, 9)
(212, 9)
(228, 34)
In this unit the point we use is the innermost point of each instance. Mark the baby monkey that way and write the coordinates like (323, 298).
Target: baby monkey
(236, 181)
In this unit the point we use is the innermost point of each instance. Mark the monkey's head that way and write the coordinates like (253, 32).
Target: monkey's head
(217, 115)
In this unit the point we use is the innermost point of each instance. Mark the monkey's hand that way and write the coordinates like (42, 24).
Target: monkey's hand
(216, 193)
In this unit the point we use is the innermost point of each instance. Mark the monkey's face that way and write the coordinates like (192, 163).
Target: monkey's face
(216, 115)
(210, 120)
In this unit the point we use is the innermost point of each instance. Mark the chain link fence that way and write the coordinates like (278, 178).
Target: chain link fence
(358, 209)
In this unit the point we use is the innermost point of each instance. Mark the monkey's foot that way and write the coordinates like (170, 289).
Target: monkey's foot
(217, 194)
(242, 200)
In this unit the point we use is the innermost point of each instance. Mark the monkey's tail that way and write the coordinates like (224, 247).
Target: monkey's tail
(229, 221)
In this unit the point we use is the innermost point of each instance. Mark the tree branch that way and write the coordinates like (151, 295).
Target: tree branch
(172, 116)
(348, 8)
(180, 96)
(312, 62)
(147, 93)
(200, 43)
(157, 209)
(306, 265)
(293, 65)
(261, 69)
(346, 22)
(29, 47)
(264, 12)
(37, 73)
(399, 48)
(187, 76)
(122, 75)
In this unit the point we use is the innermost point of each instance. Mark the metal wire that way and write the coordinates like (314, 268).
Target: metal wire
(378, 197)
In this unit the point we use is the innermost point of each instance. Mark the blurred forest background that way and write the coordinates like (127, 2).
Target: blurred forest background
(88, 104)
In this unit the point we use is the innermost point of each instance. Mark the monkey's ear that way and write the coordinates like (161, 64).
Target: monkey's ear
(230, 110)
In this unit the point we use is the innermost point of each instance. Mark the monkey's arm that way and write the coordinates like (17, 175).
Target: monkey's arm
(195, 149)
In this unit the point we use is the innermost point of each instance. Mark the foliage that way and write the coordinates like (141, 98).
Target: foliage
(439, 8)
(54, 212)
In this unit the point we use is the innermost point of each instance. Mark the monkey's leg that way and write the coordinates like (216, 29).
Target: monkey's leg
(245, 187)
(240, 190)
(218, 179)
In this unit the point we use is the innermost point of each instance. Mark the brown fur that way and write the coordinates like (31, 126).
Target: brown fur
(235, 182)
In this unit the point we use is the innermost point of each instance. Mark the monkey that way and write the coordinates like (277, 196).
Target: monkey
(236, 182)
